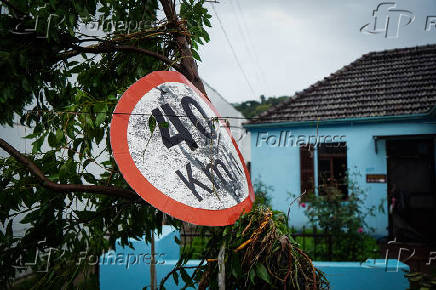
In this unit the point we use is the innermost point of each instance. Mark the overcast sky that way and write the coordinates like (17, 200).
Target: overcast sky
(284, 46)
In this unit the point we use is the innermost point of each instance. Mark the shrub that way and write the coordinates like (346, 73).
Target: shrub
(344, 219)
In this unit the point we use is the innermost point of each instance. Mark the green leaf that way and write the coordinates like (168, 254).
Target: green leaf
(31, 136)
(89, 122)
(195, 55)
(252, 275)
(52, 140)
(9, 230)
(73, 63)
(59, 136)
(152, 124)
(207, 23)
(76, 143)
(54, 177)
(262, 272)
(38, 143)
(99, 119)
(206, 36)
(4, 54)
(236, 265)
(100, 108)
(89, 178)
(67, 170)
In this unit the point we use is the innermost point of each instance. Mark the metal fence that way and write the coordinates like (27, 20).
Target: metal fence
(316, 243)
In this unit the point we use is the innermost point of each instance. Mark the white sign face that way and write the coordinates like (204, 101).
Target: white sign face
(183, 150)
(197, 168)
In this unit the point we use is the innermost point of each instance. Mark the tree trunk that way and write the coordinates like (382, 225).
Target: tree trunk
(188, 66)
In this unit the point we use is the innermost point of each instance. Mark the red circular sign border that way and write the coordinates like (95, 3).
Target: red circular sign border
(121, 153)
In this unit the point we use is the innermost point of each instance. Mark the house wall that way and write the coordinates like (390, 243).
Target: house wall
(279, 165)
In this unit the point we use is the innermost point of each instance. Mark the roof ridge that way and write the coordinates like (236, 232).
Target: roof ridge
(401, 50)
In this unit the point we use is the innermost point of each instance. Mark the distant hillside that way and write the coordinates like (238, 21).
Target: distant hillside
(253, 108)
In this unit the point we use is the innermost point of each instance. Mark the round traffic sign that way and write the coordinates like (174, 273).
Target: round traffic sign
(177, 153)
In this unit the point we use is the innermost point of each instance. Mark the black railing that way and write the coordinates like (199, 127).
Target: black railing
(316, 243)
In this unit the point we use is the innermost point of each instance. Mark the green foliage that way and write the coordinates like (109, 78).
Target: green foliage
(37, 69)
(421, 281)
(251, 109)
(197, 247)
(259, 254)
(261, 192)
(198, 17)
(345, 221)
(64, 98)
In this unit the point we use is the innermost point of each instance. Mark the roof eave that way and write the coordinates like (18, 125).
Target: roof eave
(427, 115)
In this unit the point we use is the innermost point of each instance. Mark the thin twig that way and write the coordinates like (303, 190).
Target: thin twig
(292, 202)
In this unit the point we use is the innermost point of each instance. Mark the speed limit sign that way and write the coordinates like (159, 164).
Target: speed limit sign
(177, 153)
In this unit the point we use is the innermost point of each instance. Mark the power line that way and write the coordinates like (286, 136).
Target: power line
(248, 46)
(233, 51)
(276, 119)
(244, 23)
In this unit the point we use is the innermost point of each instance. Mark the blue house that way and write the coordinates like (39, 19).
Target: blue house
(374, 121)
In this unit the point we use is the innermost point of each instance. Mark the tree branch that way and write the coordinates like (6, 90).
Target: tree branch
(150, 53)
(187, 66)
(107, 46)
(34, 169)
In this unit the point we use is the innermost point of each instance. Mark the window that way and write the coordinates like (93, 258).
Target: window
(306, 174)
(332, 168)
